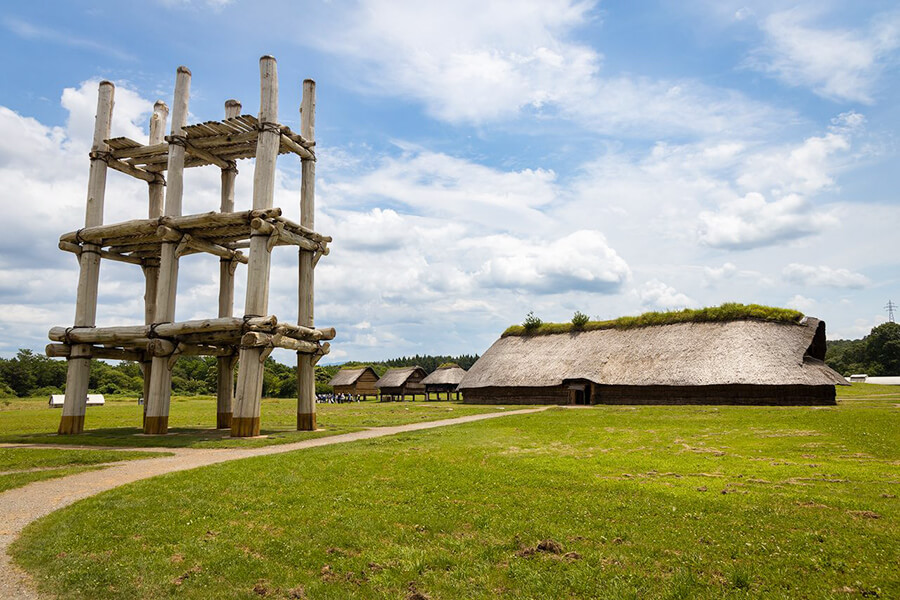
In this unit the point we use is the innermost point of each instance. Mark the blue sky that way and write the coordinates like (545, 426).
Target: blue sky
(479, 160)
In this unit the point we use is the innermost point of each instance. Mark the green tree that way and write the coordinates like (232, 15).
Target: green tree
(883, 349)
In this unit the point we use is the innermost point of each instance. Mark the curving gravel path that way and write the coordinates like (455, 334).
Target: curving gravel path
(21, 506)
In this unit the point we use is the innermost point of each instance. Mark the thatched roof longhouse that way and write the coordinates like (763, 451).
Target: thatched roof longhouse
(746, 352)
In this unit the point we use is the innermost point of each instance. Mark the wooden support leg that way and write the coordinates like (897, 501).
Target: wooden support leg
(245, 421)
(306, 370)
(160, 391)
(79, 364)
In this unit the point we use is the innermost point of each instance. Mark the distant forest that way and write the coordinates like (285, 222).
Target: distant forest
(30, 374)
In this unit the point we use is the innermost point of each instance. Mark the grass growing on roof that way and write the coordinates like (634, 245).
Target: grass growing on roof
(635, 502)
(730, 311)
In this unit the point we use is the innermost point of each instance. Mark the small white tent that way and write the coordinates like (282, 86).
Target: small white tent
(57, 400)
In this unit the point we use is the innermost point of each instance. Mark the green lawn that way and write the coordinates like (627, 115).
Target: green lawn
(29, 420)
(20, 466)
(629, 502)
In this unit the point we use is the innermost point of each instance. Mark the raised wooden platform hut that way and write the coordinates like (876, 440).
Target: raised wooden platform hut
(400, 383)
(157, 242)
(357, 382)
(735, 362)
(445, 379)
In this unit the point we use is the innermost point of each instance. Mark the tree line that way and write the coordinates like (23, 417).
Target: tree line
(30, 374)
(877, 354)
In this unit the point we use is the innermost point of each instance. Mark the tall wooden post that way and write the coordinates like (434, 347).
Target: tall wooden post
(225, 364)
(306, 364)
(245, 421)
(151, 265)
(160, 392)
(79, 367)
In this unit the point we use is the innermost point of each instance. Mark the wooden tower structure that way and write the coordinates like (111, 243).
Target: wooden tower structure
(158, 242)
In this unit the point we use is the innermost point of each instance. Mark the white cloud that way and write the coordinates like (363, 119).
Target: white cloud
(805, 305)
(472, 62)
(657, 294)
(824, 276)
(840, 64)
(579, 261)
(752, 221)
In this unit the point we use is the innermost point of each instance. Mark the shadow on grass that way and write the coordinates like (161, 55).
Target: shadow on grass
(178, 437)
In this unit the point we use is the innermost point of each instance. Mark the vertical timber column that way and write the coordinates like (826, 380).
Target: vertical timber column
(225, 364)
(245, 422)
(150, 266)
(306, 363)
(157, 420)
(79, 365)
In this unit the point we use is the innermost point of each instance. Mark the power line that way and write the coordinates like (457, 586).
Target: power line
(890, 307)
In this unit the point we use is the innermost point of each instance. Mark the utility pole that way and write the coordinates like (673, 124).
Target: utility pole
(890, 307)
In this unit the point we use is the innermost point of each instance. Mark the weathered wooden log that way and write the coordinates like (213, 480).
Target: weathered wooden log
(162, 347)
(78, 372)
(65, 350)
(157, 420)
(268, 228)
(304, 231)
(299, 332)
(296, 148)
(245, 421)
(77, 249)
(116, 335)
(96, 234)
(207, 156)
(225, 364)
(168, 234)
(255, 339)
(306, 370)
(217, 219)
(154, 148)
(156, 192)
(136, 172)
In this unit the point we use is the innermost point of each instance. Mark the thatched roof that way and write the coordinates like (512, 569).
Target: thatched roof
(397, 377)
(449, 375)
(735, 352)
(349, 376)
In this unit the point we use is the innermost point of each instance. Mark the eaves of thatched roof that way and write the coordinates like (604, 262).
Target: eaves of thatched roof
(397, 377)
(445, 376)
(683, 354)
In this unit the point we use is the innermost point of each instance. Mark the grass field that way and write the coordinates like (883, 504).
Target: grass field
(602, 502)
(20, 466)
(29, 420)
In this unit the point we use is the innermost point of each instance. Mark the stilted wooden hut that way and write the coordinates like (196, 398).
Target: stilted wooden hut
(401, 382)
(358, 382)
(735, 362)
(445, 379)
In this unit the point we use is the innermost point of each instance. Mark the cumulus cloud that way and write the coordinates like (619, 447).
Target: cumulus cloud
(657, 294)
(752, 221)
(838, 63)
(821, 275)
(579, 261)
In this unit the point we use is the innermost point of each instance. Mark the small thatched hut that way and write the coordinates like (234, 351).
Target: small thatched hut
(733, 362)
(358, 382)
(445, 379)
(401, 382)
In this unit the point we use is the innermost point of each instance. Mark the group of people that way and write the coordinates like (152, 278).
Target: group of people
(337, 398)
